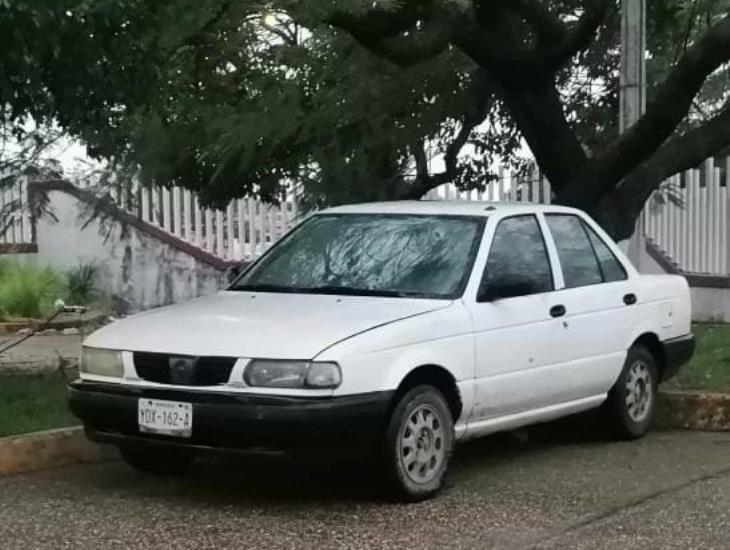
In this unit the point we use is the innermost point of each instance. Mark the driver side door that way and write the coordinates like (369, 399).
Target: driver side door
(516, 331)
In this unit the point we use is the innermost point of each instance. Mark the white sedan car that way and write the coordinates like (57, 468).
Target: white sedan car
(393, 329)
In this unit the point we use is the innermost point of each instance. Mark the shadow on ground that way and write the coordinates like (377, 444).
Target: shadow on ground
(284, 480)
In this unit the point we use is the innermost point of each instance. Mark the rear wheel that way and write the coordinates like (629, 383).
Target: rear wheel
(418, 444)
(157, 461)
(632, 401)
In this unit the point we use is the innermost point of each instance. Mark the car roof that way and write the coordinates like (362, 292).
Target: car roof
(449, 208)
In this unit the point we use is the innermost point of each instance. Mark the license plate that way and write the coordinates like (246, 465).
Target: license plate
(165, 417)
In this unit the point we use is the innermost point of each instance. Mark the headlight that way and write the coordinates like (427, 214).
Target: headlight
(102, 362)
(268, 373)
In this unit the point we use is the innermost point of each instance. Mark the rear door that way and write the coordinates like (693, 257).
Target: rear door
(599, 304)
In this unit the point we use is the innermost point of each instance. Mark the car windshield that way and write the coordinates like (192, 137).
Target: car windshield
(424, 256)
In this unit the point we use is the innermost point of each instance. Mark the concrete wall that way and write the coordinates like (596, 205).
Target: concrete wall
(710, 304)
(135, 265)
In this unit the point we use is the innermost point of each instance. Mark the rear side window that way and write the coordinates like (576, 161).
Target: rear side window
(611, 268)
(518, 251)
(579, 262)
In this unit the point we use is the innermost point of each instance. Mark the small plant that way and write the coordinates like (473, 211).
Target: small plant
(81, 284)
(27, 290)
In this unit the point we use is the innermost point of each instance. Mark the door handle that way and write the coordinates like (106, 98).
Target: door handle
(557, 311)
(630, 299)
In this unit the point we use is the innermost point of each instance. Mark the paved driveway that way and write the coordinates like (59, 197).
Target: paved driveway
(670, 490)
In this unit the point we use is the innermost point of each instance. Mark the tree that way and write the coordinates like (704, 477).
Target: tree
(350, 97)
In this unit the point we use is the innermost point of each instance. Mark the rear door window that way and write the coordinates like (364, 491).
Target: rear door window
(611, 268)
(577, 257)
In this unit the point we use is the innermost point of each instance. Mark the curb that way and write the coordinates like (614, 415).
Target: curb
(68, 365)
(686, 410)
(49, 449)
(12, 327)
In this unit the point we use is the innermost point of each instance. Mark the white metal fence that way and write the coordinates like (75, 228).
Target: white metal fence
(15, 221)
(241, 231)
(508, 186)
(688, 219)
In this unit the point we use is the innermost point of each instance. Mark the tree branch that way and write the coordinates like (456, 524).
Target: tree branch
(419, 154)
(377, 24)
(580, 36)
(409, 50)
(479, 106)
(664, 113)
(288, 39)
(539, 115)
(679, 153)
(404, 38)
(492, 44)
(618, 209)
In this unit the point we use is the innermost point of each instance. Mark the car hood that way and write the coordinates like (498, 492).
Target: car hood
(256, 324)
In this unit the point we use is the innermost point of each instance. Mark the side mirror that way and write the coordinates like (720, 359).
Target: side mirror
(233, 272)
(505, 286)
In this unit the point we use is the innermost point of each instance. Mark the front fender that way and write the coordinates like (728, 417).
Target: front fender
(378, 360)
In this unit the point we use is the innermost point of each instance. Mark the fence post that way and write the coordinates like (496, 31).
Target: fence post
(715, 267)
(514, 183)
(187, 216)
(724, 227)
(535, 185)
(3, 217)
(176, 212)
(229, 229)
(502, 177)
(23, 212)
(252, 237)
(220, 247)
(209, 230)
(241, 230)
(166, 222)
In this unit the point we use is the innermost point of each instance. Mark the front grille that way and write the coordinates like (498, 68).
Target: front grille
(182, 370)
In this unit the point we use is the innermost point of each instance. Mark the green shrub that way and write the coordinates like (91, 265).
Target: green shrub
(27, 290)
(81, 284)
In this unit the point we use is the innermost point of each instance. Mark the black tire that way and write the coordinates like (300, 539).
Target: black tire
(625, 420)
(157, 461)
(418, 476)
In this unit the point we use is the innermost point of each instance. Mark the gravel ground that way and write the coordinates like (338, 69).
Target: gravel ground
(535, 490)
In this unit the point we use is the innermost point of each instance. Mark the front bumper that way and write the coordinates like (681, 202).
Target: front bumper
(677, 352)
(235, 421)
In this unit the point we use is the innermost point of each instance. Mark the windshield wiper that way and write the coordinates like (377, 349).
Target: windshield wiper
(266, 288)
(349, 291)
(324, 289)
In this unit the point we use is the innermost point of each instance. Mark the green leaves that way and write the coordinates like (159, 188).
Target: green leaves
(232, 97)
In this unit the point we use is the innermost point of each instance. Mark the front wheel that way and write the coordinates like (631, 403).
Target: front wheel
(418, 444)
(165, 462)
(632, 401)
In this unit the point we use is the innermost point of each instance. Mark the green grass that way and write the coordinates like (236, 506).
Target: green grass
(27, 290)
(709, 369)
(30, 403)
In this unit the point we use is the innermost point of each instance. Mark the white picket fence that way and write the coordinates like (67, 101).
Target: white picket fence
(240, 232)
(509, 187)
(688, 219)
(15, 221)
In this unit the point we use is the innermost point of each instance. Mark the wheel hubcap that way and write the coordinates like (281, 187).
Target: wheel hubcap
(421, 447)
(639, 391)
